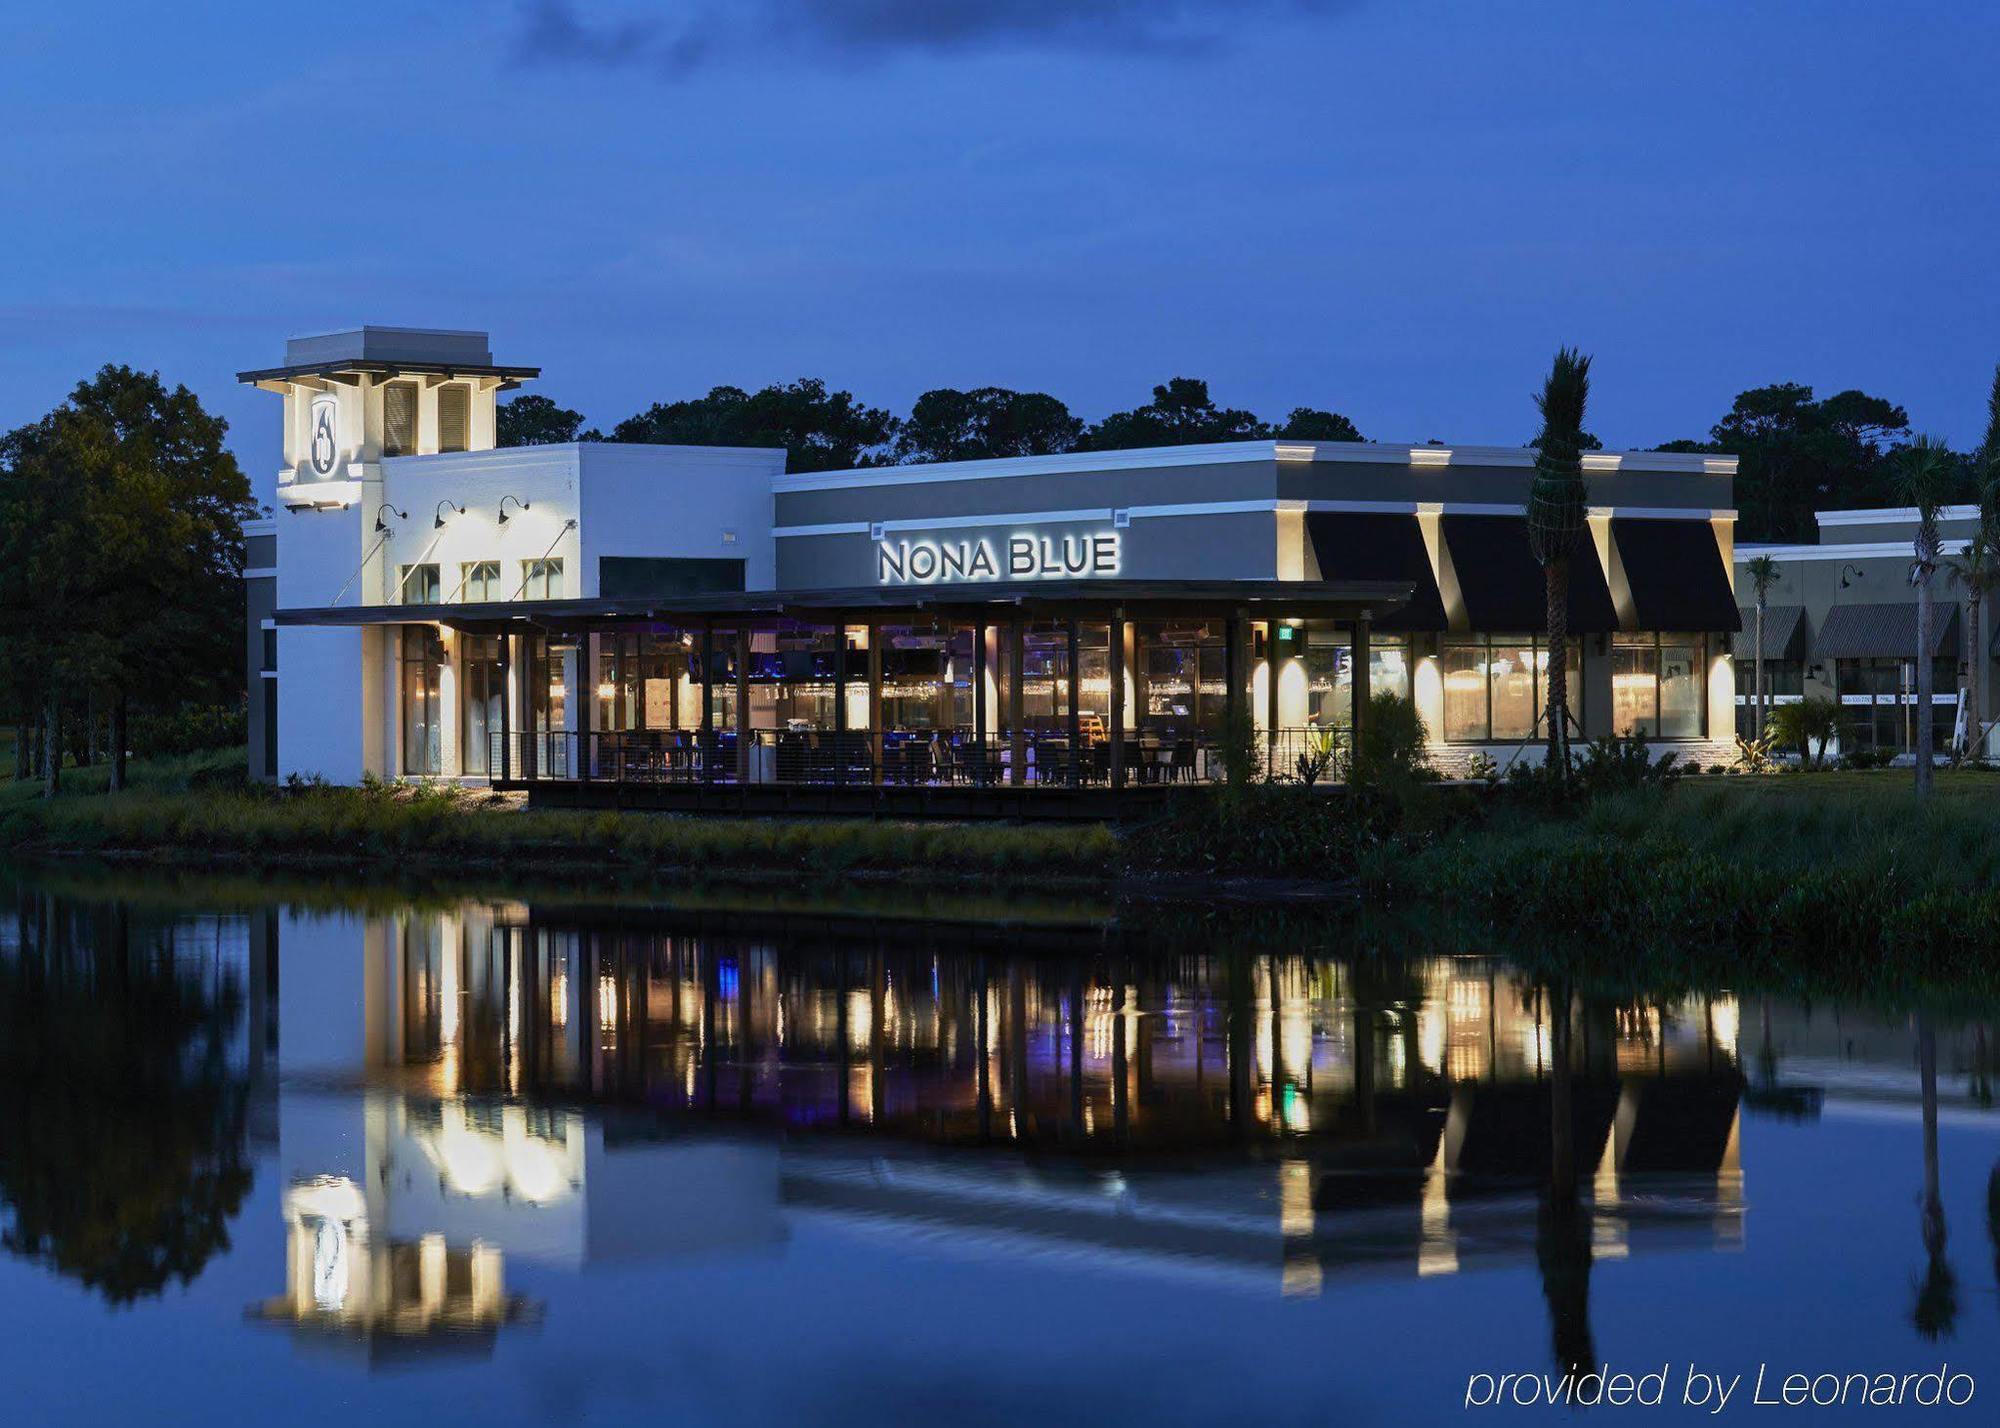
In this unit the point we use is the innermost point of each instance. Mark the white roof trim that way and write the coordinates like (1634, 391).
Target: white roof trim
(1262, 506)
(264, 526)
(1889, 515)
(1374, 453)
(1853, 550)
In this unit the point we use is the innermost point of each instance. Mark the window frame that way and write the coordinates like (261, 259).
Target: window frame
(552, 565)
(409, 572)
(1537, 642)
(390, 447)
(458, 392)
(1634, 640)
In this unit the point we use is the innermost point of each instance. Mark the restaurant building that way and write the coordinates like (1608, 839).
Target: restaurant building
(1841, 623)
(696, 625)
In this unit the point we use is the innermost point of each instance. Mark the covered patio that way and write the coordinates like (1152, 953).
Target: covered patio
(1000, 697)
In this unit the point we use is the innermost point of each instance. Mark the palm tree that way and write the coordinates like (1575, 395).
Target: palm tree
(1978, 572)
(1935, 1312)
(1557, 509)
(1927, 472)
(1763, 572)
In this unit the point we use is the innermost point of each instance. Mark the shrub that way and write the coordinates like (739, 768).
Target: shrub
(1391, 746)
(1867, 758)
(1807, 725)
(189, 730)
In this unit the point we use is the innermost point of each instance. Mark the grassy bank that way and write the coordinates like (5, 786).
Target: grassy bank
(1761, 877)
(197, 808)
(1744, 877)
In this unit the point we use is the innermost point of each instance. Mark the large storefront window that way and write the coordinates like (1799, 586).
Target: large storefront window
(1784, 679)
(482, 690)
(1657, 688)
(617, 682)
(1329, 655)
(1496, 686)
(1179, 676)
(423, 712)
(1878, 703)
(547, 753)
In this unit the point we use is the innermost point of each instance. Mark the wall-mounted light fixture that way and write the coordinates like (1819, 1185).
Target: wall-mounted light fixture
(1843, 574)
(382, 526)
(437, 518)
(504, 517)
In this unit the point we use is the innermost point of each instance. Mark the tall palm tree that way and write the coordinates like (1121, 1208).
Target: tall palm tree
(1935, 1312)
(1977, 571)
(1557, 509)
(1763, 573)
(1927, 472)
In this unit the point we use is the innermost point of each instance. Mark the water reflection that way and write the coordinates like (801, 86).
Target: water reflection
(470, 1094)
(124, 1093)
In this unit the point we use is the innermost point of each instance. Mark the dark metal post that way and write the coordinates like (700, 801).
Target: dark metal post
(1074, 641)
(506, 706)
(707, 701)
(1017, 644)
(877, 745)
(1359, 684)
(1116, 634)
(742, 703)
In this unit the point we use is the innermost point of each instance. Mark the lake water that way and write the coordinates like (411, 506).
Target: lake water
(541, 1156)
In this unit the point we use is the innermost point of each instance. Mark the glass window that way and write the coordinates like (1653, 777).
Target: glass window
(423, 657)
(1657, 688)
(1464, 669)
(1330, 672)
(1879, 702)
(1496, 686)
(479, 738)
(1683, 704)
(421, 585)
(617, 682)
(479, 582)
(454, 416)
(399, 419)
(542, 579)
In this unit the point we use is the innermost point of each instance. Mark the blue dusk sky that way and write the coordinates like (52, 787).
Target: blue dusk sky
(1396, 209)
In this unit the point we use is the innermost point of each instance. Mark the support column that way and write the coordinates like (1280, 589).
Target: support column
(1074, 642)
(742, 704)
(979, 720)
(1117, 633)
(1271, 673)
(1236, 662)
(506, 707)
(876, 745)
(839, 769)
(707, 701)
(1358, 686)
(1017, 738)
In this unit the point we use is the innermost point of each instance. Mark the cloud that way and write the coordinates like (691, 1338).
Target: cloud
(682, 34)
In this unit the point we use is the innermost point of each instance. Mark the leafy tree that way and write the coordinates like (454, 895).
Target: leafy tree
(1978, 571)
(1987, 464)
(1557, 509)
(122, 1123)
(1310, 424)
(820, 430)
(950, 425)
(535, 420)
(1797, 455)
(195, 498)
(1181, 414)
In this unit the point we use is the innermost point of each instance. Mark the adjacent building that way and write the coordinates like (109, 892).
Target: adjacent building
(594, 616)
(1841, 623)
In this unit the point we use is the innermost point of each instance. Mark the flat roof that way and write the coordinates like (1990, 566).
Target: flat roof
(1339, 599)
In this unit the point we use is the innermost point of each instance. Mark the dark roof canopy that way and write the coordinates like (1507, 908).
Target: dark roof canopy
(992, 600)
(1784, 633)
(1504, 589)
(1369, 546)
(1884, 631)
(1675, 571)
(347, 371)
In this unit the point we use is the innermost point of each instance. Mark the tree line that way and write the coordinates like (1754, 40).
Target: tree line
(121, 569)
(1797, 452)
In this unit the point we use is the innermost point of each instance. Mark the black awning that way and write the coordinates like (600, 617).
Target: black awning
(1885, 631)
(1372, 545)
(1784, 633)
(1675, 571)
(1505, 591)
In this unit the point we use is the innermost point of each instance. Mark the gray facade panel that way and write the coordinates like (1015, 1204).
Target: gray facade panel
(260, 552)
(1054, 491)
(1226, 547)
(1494, 485)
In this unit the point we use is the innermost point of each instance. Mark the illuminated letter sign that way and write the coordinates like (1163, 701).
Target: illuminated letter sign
(1025, 556)
(323, 451)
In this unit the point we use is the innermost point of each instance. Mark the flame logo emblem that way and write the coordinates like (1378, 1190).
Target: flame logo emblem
(323, 451)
